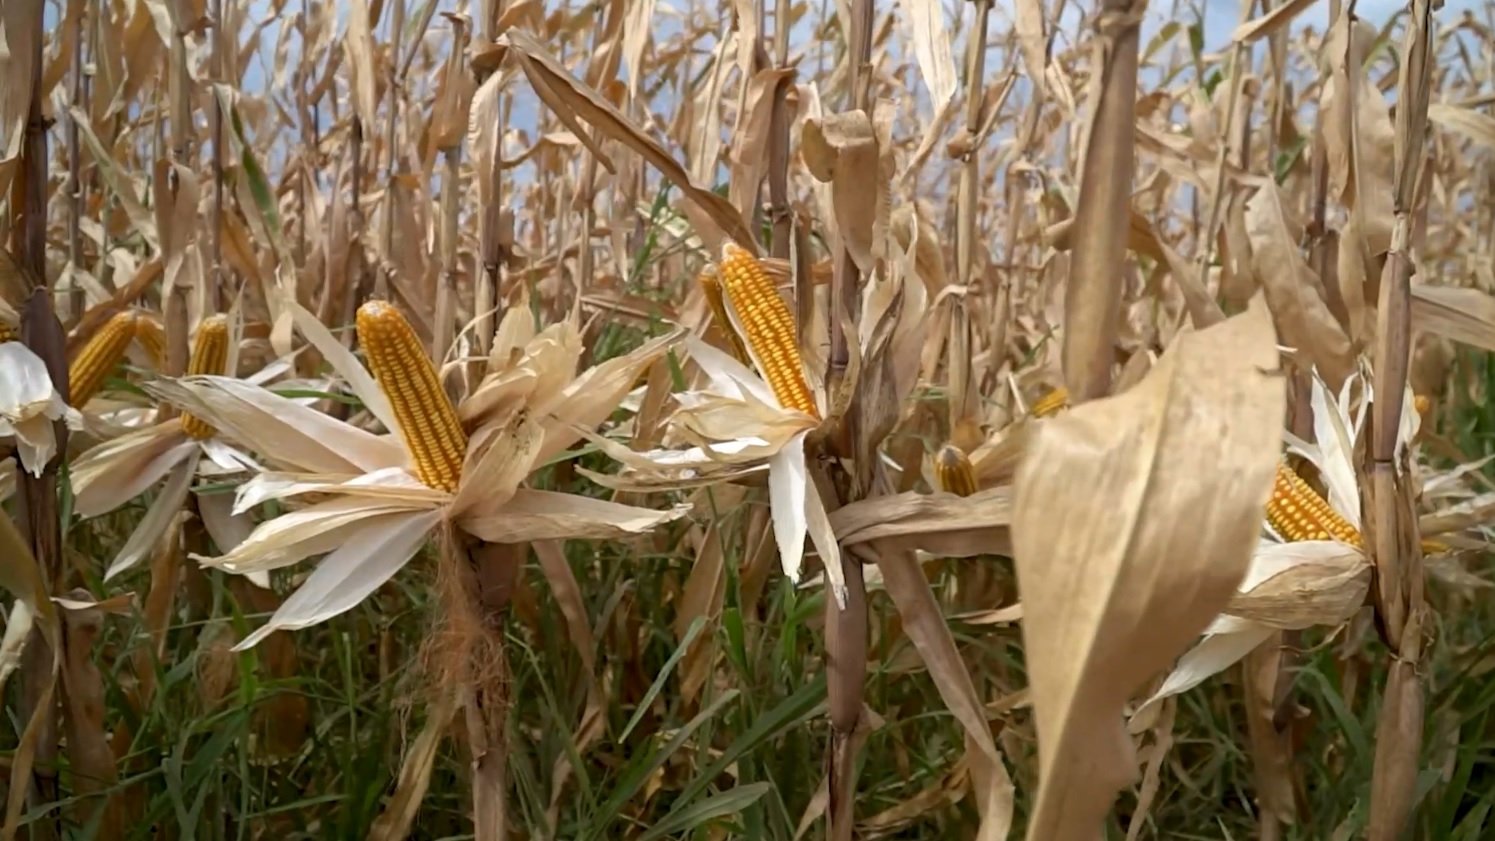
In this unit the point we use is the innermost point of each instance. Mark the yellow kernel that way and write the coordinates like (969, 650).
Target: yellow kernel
(428, 421)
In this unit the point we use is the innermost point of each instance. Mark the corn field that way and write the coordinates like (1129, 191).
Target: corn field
(769, 419)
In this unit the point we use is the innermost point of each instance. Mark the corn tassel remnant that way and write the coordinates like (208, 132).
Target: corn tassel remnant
(953, 471)
(769, 326)
(427, 419)
(209, 356)
(711, 287)
(99, 356)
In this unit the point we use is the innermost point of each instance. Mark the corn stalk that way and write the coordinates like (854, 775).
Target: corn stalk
(38, 514)
(1392, 527)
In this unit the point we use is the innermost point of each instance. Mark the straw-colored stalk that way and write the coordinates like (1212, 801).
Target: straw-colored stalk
(846, 627)
(1392, 524)
(75, 189)
(391, 120)
(217, 275)
(39, 515)
(446, 291)
(963, 420)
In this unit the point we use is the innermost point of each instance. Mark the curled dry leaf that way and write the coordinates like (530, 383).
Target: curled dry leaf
(943, 524)
(1135, 516)
(843, 150)
(1293, 291)
(573, 101)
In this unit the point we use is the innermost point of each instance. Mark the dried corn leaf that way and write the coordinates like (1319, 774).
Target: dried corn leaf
(415, 775)
(1258, 28)
(1463, 315)
(1293, 291)
(1135, 518)
(573, 101)
(359, 48)
(926, 22)
(1465, 121)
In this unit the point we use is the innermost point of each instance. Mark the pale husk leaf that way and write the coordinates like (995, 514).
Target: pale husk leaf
(546, 515)
(362, 563)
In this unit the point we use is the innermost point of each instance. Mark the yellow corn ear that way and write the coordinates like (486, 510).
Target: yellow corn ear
(711, 287)
(953, 470)
(428, 421)
(1296, 512)
(769, 326)
(99, 356)
(152, 338)
(209, 356)
(1051, 403)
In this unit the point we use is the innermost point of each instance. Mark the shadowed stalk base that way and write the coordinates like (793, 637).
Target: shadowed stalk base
(846, 675)
(467, 655)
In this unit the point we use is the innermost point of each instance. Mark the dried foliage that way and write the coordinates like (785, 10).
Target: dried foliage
(765, 419)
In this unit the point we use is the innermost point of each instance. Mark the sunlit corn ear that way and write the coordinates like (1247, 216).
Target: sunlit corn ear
(953, 471)
(768, 327)
(209, 354)
(1050, 403)
(711, 287)
(99, 357)
(152, 338)
(428, 421)
(1296, 512)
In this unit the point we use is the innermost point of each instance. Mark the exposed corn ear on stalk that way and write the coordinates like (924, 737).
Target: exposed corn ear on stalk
(711, 287)
(99, 356)
(209, 355)
(1050, 403)
(768, 325)
(953, 471)
(427, 419)
(1296, 512)
(152, 338)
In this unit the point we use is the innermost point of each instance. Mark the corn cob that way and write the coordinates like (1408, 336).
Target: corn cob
(1050, 403)
(769, 327)
(711, 287)
(953, 470)
(1296, 512)
(428, 421)
(152, 338)
(99, 356)
(209, 356)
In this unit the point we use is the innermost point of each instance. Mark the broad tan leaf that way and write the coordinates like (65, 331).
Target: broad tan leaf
(1135, 517)
(926, 23)
(1463, 315)
(1465, 121)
